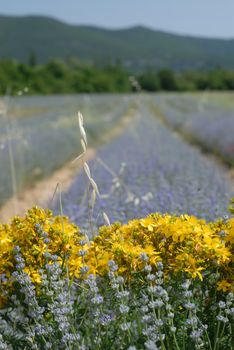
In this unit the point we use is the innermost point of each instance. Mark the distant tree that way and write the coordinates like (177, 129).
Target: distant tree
(56, 68)
(167, 80)
(229, 80)
(149, 81)
(202, 82)
(32, 61)
(75, 77)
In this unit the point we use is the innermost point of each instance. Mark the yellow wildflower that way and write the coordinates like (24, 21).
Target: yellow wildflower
(185, 244)
(225, 286)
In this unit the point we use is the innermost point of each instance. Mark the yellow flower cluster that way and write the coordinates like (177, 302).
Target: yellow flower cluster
(184, 244)
(63, 240)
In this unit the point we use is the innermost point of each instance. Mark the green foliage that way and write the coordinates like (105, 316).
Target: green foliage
(167, 80)
(58, 77)
(150, 81)
(32, 59)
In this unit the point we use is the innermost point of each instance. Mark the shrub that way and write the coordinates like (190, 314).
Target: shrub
(161, 282)
(184, 244)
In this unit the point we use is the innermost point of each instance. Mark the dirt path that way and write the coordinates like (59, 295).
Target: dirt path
(42, 192)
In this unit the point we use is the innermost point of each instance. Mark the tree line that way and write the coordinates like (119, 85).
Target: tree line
(58, 77)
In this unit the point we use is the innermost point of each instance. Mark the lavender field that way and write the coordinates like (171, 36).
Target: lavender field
(206, 119)
(146, 168)
(41, 134)
(149, 169)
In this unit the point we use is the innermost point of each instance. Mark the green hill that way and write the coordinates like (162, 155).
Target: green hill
(137, 47)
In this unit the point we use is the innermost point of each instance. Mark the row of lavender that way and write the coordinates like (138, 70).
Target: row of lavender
(148, 169)
(203, 120)
(41, 134)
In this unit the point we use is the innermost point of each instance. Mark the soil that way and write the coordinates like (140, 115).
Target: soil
(42, 192)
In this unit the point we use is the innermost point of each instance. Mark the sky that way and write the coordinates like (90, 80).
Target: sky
(207, 18)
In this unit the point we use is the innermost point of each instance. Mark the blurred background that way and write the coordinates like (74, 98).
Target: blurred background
(83, 46)
(120, 63)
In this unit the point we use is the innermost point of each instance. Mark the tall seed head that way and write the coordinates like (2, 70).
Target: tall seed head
(87, 170)
(106, 219)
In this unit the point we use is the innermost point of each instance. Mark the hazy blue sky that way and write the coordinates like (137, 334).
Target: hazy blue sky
(197, 17)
